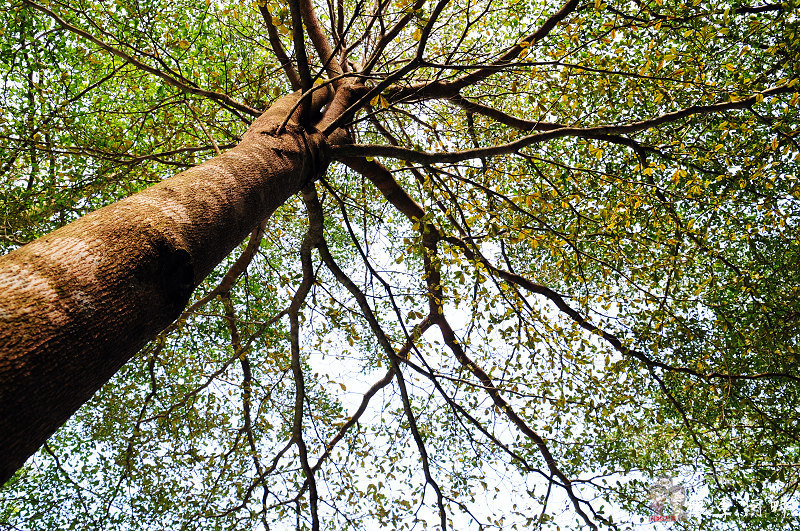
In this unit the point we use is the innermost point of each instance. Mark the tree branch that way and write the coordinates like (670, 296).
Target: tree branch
(422, 157)
(446, 89)
(321, 44)
(311, 240)
(300, 45)
(277, 48)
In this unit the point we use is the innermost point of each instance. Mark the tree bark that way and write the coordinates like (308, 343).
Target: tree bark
(78, 303)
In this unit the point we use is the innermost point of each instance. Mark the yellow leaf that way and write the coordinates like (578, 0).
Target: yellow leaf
(374, 101)
(417, 34)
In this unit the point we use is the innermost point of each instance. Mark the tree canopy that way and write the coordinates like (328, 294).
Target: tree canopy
(554, 262)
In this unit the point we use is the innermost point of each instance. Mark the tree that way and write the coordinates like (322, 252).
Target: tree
(544, 256)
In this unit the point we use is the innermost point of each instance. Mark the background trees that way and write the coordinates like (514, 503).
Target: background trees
(556, 262)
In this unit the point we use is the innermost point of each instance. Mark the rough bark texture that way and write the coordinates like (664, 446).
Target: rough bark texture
(78, 303)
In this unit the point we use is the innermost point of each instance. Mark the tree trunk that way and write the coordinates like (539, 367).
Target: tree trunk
(78, 303)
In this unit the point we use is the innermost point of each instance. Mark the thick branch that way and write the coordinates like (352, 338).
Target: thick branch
(423, 157)
(277, 48)
(321, 44)
(299, 45)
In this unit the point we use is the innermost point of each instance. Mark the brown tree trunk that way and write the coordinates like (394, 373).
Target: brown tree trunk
(78, 303)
